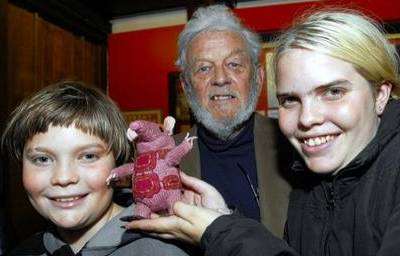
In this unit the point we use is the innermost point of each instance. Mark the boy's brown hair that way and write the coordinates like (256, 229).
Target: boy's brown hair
(63, 104)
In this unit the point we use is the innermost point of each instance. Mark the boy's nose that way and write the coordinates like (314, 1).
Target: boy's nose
(64, 175)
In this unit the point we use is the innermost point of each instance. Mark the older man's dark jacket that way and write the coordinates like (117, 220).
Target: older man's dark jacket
(272, 158)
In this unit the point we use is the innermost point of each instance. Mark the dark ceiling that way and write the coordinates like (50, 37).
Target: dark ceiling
(116, 8)
(91, 18)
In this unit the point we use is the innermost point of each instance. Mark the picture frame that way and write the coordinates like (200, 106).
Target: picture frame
(178, 105)
(152, 115)
(395, 40)
(272, 101)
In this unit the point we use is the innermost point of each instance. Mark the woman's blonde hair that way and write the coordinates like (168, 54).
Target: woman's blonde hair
(347, 35)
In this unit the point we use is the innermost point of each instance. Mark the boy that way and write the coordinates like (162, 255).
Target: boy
(67, 138)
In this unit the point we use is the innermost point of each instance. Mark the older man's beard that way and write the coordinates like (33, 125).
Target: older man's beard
(224, 128)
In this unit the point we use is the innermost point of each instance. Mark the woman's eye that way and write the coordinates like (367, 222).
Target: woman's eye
(287, 101)
(334, 93)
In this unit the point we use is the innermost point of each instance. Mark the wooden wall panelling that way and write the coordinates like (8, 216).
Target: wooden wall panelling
(3, 116)
(21, 79)
(38, 54)
(3, 62)
(21, 49)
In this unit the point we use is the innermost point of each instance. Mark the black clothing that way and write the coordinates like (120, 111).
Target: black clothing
(355, 212)
(230, 166)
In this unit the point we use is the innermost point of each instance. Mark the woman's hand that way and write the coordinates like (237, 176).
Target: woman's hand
(188, 224)
(200, 193)
(201, 205)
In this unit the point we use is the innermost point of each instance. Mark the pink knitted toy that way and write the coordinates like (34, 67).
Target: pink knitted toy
(156, 182)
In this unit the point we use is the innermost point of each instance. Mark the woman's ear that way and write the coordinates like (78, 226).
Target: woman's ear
(382, 96)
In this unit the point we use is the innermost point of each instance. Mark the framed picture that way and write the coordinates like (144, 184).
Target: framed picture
(395, 39)
(272, 101)
(153, 115)
(178, 105)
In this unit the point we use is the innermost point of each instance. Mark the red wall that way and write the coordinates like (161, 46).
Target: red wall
(139, 61)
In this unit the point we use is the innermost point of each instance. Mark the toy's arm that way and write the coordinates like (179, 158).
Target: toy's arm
(120, 172)
(175, 155)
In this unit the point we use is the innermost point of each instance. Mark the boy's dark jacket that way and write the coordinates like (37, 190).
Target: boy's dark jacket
(111, 240)
(356, 212)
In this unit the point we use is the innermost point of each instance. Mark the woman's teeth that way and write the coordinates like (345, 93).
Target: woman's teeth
(316, 141)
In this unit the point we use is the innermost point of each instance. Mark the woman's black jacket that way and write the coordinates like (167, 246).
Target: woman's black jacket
(356, 212)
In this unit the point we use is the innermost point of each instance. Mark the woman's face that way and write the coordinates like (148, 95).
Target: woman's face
(327, 110)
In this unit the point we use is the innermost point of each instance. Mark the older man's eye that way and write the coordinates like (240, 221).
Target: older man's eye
(234, 64)
(203, 69)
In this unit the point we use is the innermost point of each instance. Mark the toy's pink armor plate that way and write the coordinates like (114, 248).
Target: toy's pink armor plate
(146, 182)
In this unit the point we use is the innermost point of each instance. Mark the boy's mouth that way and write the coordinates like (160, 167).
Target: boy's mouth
(68, 200)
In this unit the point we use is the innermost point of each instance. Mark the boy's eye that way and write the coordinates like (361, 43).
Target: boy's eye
(89, 157)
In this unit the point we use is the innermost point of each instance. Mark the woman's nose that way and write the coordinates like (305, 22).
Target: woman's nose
(311, 114)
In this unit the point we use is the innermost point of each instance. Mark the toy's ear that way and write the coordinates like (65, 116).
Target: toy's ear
(169, 123)
(131, 134)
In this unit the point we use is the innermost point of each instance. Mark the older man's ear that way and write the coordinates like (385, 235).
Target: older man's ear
(260, 76)
(182, 84)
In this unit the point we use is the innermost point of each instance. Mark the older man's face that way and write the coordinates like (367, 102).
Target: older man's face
(220, 73)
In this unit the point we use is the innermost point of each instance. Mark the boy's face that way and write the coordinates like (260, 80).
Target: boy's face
(64, 173)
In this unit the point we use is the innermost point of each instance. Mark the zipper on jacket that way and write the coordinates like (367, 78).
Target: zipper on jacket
(329, 193)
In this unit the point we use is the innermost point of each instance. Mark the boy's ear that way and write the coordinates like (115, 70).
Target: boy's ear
(382, 97)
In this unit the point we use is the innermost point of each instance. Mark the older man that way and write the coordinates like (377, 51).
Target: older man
(236, 150)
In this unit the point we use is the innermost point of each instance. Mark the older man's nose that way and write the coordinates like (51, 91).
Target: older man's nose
(221, 77)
